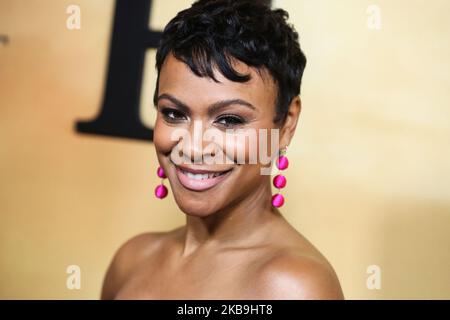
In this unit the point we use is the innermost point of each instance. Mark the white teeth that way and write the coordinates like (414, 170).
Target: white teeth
(201, 176)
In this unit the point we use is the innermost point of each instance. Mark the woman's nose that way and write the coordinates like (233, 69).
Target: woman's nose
(193, 145)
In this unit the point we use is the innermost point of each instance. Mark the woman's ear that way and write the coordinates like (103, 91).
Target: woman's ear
(290, 124)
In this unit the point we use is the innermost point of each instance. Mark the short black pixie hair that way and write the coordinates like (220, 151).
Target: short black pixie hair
(211, 33)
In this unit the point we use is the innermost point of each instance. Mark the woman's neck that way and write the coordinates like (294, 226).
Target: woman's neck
(236, 225)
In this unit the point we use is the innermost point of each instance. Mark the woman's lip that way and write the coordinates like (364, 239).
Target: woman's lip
(199, 185)
(200, 171)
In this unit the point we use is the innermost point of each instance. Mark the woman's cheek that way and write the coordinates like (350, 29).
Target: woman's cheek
(161, 137)
(245, 148)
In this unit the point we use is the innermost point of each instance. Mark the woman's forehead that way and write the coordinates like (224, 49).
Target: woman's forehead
(178, 79)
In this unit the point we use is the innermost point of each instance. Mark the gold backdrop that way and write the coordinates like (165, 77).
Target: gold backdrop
(369, 181)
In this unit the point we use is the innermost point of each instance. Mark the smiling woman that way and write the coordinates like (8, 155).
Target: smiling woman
(224, 66)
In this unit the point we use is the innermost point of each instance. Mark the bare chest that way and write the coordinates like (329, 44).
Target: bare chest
(226, 278)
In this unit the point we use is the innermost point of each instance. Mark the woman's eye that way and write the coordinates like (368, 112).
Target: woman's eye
(229, 121)
(172, 114)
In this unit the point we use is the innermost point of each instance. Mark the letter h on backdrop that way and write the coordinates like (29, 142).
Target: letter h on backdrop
(119, 115)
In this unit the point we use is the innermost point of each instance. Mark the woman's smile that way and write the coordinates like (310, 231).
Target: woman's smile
(200, 179)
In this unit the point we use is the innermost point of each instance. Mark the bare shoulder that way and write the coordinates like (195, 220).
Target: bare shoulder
(293, 268)
(127, 258)
(294, 275)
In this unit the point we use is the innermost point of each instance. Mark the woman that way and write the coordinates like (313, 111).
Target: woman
(224, 65)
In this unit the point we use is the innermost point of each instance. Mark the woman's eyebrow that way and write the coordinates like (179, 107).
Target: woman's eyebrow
(216, 106)
(182, 106)
(213, 108)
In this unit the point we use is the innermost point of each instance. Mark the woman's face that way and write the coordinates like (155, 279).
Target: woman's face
(189, 110)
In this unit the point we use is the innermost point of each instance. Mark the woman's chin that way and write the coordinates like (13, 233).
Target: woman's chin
(196, 208)
(195, 212)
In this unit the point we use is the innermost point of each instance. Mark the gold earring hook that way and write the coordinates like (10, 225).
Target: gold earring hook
(283, 151)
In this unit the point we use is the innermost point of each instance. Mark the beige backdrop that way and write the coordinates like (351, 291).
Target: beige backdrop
(370, 164)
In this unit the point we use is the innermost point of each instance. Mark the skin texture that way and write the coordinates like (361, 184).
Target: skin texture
(234, 245)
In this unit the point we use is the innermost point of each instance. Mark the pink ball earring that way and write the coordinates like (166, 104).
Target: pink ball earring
(161, 190)
(279, 181)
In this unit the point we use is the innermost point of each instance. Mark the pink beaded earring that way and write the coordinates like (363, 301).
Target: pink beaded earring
(161, 190)
(279, 181)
